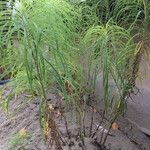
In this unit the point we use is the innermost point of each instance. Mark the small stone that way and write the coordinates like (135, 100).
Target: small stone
(71, 144)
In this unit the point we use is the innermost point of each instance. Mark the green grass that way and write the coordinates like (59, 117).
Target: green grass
(110, 50)
(124, 13)
(48, 40)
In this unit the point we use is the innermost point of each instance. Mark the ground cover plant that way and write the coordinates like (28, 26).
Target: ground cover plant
(46, 45)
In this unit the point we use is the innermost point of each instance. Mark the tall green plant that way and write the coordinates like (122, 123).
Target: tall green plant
(43, 49)
(110, 50)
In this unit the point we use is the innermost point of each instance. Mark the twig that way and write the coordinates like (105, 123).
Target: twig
(98, 125)
(91, 126)
(61, 135)
(83, 143)
(113, 120)
(83, 120)
(66, 125)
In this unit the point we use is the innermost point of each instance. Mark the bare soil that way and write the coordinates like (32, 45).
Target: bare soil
(126, 137)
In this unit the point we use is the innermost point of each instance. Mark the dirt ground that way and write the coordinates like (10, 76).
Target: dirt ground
(127, 137)
(139, 107)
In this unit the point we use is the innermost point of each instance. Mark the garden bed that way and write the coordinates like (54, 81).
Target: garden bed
(127, 136)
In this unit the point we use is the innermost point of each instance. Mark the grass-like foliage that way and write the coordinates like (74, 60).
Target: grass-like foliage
(110, 50)
(43, 43)
(122, 12)
(40, 49)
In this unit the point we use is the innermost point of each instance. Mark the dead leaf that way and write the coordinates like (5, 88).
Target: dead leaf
(22, 132)
(68, 88)
(115, 126)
